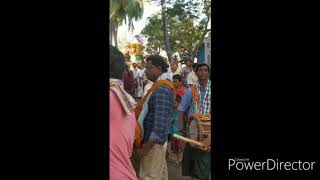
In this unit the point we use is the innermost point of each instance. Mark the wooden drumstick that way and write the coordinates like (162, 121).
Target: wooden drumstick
(187, 140)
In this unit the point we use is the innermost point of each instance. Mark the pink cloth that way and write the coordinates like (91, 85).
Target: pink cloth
(122, 128)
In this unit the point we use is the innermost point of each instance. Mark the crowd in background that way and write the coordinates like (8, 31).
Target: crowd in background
(149, 102)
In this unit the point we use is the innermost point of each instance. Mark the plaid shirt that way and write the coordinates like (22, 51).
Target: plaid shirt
(204, 106)
(156, 123)
(205, 98)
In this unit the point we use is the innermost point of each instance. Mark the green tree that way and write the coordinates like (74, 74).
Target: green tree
(164, 27)
(153, 30)
(123, 11)
(187, 27)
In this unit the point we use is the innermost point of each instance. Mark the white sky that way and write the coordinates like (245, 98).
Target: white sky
(149, 9)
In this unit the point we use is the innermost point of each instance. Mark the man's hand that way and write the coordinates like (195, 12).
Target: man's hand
(140, 153)
(205, 148)
(206, 144)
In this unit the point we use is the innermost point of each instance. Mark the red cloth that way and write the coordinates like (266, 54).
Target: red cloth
(177, 146)
(181, 91)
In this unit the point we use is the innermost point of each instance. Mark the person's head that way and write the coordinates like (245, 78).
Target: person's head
(128, 64)
(189, 62)
(177, 81)
(202, 71)
(174, 66)
(155, 66)
(116, 63)
(134, 65)
(194, 67)
(143, 64)
(177, 101)
(139, 65)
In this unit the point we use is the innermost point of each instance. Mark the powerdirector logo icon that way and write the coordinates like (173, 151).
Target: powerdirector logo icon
(245, 164)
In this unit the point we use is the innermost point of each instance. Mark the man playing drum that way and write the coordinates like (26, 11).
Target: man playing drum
(196, 161)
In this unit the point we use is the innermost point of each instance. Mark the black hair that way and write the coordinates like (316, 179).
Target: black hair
(178, 98)
(126, 66)
(194, 65)
(174, 62)
(116, 63)
(202, 64)
(157, 61)
(177, 76)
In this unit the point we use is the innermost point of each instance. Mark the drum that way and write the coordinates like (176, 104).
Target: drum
(199, 127)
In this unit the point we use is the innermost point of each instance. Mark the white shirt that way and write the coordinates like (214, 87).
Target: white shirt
(192, 78)
(135, 72)
(144, 74)
(147, 87)
(170, 74)
(138, 76)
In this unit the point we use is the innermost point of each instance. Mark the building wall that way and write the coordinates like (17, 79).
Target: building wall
(207, 50)
(201, 55)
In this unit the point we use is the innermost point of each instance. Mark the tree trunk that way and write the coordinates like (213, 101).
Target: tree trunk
(116, 37)
(110, 34)
(110, 26)
(113, 34)
(165, 30)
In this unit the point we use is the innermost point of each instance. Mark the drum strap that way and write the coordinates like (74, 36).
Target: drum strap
(195, 97)
(194, 93)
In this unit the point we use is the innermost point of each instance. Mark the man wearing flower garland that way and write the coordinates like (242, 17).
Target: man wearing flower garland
(196, 161)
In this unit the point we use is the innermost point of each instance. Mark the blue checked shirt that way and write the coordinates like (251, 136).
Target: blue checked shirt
(157, 121)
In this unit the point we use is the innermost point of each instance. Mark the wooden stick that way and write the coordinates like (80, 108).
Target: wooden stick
(187, 140)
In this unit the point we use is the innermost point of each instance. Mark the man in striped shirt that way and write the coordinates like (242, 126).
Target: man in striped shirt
(196, 162)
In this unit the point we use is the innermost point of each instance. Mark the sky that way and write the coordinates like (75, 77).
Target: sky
(150, 8)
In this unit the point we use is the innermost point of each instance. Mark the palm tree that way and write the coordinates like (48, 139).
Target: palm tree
(123, 10)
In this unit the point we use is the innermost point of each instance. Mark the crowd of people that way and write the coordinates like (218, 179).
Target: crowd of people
(149, 102)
